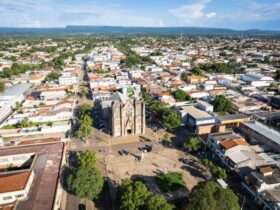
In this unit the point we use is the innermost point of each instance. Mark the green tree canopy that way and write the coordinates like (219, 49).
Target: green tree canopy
(211, 196)
(157, 202)
(87, 159)
(84, 110)
(85, 121)
(192, 144)
(169, 117)
(84, 129)
(86, 182)
(184, 76)
(133, 195)
(229, 68)
(181, 95)
(217, 171)
(53, 76)
(171, 120)
(222, 104)
(197, 71)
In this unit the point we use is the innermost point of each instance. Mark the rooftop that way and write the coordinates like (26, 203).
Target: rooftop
(46, 168)
(264, 130)
(272, 195)
(16, 90)
(13, 182)
(226, 136)
(232, 143)
(232, 117)
(196, 113)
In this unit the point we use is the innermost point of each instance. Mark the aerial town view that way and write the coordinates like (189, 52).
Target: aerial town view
(149, 105)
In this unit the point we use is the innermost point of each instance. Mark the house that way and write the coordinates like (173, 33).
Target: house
(198, 94)
(10, 97)
(259, 133)
(36, 185)
(52, 94)
(200, 122)
(203, 105)
(246, 104)
(231, 120)
(256, 80)
(264, 185)
(236, 154)
(154, 69)
(222, 141)
(68, 78)
(194, 79)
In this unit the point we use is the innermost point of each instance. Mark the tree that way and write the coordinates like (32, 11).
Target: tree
(87, 159)
(168, 116)
(211, 196)
(222, 104)
(18, 106)
(229, 68)
(171, 120)
(157, 202)
(216, 171)
(86, 182)
(85, 121)
(25, 123)
(197, 71)
(181, 95)
(170, 181)
(184, 76)
(192, 144)
(84, 110)
(83, 92)
(133, 195)
(53, 76)
(84, 129)
(58, 63)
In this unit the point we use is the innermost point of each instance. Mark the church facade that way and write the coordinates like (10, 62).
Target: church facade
(127, 118)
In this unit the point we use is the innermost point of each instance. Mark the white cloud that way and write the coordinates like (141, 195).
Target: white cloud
(211, 14)
(192, 13)
(52, 13)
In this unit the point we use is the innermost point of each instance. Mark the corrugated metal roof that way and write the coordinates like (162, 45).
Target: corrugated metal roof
(16, 90)
(265, 131)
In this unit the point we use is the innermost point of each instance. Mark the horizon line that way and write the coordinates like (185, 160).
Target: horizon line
(156, 27)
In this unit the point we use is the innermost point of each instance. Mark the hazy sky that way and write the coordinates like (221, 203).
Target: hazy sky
(237, 14)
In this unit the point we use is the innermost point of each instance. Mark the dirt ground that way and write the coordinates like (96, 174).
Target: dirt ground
(161, 159)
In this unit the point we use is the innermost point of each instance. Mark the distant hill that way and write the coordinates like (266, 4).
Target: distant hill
(76, 30)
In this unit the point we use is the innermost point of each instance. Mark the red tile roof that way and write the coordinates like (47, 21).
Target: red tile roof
(13, 182)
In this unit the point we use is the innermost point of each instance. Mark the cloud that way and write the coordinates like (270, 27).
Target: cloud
(251, 14)
(52, 13)
(192, 13)
(261, 11)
